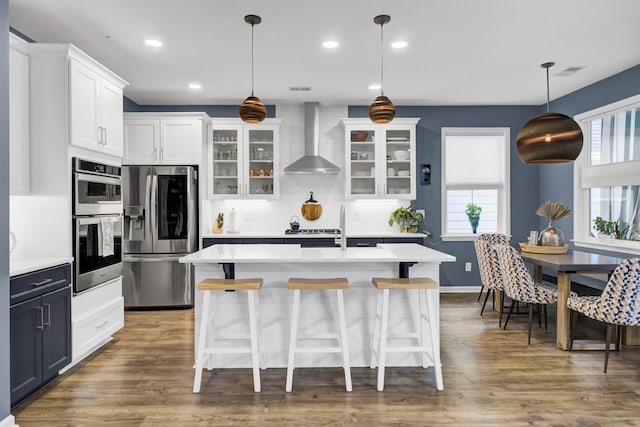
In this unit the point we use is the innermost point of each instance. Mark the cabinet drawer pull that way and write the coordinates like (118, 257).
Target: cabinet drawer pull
(41, 282)
(102, 325)
(48, 322)
(362, 244)
(41, 325)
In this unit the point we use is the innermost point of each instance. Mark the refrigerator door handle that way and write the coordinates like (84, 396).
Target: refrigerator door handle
(153, 201)
(134, 258)
(147, 208)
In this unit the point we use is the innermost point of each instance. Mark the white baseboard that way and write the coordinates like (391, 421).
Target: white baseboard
(9, 421)
(459, 289)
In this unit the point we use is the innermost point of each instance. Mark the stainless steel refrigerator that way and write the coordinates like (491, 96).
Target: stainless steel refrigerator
(160, 226)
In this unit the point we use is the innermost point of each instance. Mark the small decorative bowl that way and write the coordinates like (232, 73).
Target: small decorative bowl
(401, 155)
(359, 136)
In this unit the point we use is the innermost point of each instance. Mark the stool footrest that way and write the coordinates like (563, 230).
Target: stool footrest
(226, 350)
(321, 337)
(408, 349)
(319, 350)
(234, 337)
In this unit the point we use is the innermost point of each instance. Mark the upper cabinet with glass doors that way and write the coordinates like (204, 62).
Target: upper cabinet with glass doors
(243, 159)
(381, 159)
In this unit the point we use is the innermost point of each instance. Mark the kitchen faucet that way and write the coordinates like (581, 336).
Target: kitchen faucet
(341, 236)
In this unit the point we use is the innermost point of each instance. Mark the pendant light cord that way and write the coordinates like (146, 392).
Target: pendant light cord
(252, 25)
(381, 59)
(547, 89)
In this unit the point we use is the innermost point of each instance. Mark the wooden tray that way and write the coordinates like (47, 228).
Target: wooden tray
(525, 247)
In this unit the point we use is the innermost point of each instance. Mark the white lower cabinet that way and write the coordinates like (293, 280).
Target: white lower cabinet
(95, 316)
(163, 138)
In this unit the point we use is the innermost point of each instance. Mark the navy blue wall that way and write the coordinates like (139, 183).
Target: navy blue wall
(224, 111)
(5, 379)
(556, 181)
(524, 178)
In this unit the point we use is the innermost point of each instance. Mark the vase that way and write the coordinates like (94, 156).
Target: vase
(474, 220)
(551, 236)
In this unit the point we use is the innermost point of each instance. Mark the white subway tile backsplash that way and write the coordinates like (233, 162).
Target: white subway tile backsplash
(328, 190)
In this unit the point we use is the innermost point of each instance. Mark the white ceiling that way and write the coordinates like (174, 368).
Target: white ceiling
(460, 52)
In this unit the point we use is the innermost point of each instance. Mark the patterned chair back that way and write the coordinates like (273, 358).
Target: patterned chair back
(494, 239)
(488, 264)
(619, 303)
(517, 280)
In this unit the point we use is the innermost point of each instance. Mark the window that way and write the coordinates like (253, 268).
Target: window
(607, 177)
(475, 169)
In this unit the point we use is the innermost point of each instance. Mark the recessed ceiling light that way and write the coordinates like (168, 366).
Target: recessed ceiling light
(399, 45)
(374, 87)
(153, 43)
(195, 86)
(331, 44)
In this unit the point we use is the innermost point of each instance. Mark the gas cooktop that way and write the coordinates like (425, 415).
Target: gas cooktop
(313, 231)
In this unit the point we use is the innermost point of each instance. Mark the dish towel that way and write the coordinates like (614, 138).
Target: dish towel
(105, 237)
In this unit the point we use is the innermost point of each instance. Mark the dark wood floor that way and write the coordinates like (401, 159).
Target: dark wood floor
(144, 378)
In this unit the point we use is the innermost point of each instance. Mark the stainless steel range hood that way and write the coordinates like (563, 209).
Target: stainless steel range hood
(311, 163)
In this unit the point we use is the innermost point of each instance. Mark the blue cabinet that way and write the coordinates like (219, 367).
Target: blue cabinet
(40, 329)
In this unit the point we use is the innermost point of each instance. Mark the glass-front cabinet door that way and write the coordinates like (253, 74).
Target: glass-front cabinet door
(225, 161)
(400, 156)
(361, 168)
(243, 159)
(260, 161)
(381, 159)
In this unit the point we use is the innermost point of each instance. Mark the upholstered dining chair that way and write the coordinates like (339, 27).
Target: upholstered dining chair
(520, 286)
(489, 266)
(619, 303)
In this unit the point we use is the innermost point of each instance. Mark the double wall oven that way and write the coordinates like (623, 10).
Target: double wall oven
(97, 223)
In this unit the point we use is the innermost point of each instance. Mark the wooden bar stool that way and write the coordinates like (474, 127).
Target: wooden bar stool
(343, 345)
(207, 319)
(427, 301)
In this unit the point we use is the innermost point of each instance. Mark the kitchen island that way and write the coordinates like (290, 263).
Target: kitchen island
(277, 263)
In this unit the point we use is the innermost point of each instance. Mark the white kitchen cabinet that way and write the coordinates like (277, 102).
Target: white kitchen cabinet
(96, 109)
(18, 116)
(166, 139)
(95, 316)
(381, 159)
(243, 159)
(75, 97)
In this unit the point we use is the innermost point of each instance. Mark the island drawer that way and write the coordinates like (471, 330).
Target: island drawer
(36, 283)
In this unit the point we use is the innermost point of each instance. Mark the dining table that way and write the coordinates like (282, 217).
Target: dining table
(572, 262)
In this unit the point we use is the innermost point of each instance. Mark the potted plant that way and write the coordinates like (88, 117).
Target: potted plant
(473, 213)
(553, 211)
(408, 219)
(609, 229)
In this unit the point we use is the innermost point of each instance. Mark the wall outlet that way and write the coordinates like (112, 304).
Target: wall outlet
(467, 266)
(421, 211)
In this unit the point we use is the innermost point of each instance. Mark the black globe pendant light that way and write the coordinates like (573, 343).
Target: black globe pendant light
(382, 109)
(549, 137)
(252, 110)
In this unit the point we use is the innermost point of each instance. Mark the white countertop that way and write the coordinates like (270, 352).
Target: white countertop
(281, 235)
(26, 265)
(283, 253)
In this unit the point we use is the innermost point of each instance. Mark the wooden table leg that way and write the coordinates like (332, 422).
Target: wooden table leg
(563, 321)
(537, 273)
(497, 298)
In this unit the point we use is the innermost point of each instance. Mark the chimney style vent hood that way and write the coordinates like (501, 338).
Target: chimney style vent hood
(311, 162)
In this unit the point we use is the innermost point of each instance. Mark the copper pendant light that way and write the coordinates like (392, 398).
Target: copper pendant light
(252, 110)
(549, 137)
(382, 109)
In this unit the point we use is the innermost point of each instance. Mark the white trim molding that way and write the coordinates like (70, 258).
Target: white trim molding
(9, 421)
(472, 289)
(586, 176)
